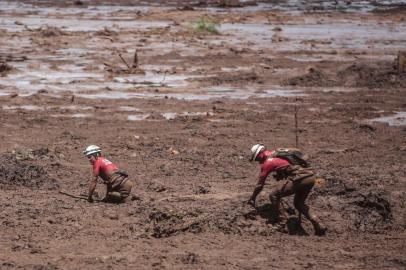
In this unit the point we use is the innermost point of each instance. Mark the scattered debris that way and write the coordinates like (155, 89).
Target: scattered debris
(16, 172)
(4, 68)
(155, 186)
(314, 77)
(188, 258)
(368, 75)
(51, 31)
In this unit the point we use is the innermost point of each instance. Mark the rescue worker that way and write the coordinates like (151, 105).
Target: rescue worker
(293, 179)
(117, 182)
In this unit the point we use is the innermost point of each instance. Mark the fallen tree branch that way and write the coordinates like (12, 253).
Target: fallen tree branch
(125, 62)
(75, 196)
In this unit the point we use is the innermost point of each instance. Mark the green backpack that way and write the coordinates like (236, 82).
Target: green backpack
(293, 155)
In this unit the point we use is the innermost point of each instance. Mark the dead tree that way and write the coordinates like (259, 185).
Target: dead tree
(135, 60)
(400, 61)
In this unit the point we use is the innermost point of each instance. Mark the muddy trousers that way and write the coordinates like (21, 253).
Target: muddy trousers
(120, 189)
(301, 188)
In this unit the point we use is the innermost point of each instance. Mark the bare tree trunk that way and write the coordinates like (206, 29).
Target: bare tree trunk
(135, 60)
(400, 61)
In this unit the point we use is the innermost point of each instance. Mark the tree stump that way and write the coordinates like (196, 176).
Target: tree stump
(400, 61)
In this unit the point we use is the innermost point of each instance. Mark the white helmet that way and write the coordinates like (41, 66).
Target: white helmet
(255, 150)
(91, 149)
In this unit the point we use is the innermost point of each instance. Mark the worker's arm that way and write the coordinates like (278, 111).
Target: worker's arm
(259, 187)
(266, 169)
(92, 187)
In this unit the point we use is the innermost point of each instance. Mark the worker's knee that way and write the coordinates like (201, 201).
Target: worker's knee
(301, 206)
(126, 188)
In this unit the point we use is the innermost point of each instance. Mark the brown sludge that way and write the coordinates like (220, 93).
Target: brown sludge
(181, 123)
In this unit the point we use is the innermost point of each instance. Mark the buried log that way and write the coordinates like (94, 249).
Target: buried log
(135, 60)
(76, 196)
(125, 62)
(134, 68)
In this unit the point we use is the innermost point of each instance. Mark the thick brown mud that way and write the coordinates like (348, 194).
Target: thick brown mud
(179, 109)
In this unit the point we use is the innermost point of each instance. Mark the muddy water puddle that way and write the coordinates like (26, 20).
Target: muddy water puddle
(137, 117)
(173, 115)
(165, 116)
(247, 6)
(294, 6)
(323, 36)
(154, 79)
(83, 10)
(206, 94)
(44, 108)
(128, 109)
(75, 24)
(24, 107)
(398, 119)
(74, 77)
(75, 115)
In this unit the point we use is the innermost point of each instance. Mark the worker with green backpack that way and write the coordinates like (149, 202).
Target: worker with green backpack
(291, 168)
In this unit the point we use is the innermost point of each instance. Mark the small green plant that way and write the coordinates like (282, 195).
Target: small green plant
(206, 26)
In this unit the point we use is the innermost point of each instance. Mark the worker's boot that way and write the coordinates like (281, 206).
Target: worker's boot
(114, 197)
(319, 228)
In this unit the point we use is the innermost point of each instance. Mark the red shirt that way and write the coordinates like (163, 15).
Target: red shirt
(103, 167)
(270, 165)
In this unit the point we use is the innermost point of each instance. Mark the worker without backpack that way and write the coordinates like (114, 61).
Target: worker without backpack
(293, 155)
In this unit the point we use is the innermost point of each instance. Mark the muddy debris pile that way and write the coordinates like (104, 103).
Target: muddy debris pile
(313, 78)
(5, 68)
(50, 31)
(356, 208)
(229, 219)
(226, 3)
(43, 153)
(228, 78)
(344, 208)
(17, 170)
(369, 75)
(376, 75)
(106, 32)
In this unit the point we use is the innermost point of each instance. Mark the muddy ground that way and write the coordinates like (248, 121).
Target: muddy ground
(182, 121)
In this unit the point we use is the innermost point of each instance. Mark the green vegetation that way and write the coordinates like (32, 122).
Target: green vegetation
(205, 26)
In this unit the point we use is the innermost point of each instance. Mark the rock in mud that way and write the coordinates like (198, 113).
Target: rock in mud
(188, 258)
(314, 78)
(155, 186)
(202, 190)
